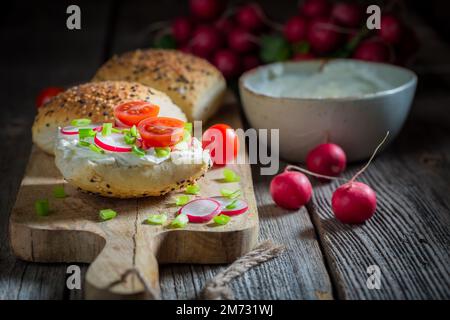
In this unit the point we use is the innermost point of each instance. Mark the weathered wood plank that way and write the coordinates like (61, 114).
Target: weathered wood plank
(409, 236)
(298, 274)
(42, 53)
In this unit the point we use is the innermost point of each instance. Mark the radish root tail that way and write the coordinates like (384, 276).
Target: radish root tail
(371, 158)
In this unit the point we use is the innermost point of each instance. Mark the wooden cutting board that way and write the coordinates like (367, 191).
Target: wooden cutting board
(125, 252)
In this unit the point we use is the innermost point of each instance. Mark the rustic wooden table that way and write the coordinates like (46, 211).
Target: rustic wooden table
(408, 238)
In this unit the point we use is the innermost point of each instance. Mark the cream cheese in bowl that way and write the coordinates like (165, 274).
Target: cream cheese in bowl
(349, 102)
(333, 80)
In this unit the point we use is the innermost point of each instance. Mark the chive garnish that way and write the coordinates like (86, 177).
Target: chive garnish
(138, 151)
(94, 148)
(59, 192)
(133, 131)
(86, 133)
(83, 143)
(106, 129)
(157, 219)
(42, 207)
(180, 221)
(221, 219)
(230, 176)
(232, 204)
(182, 200)
(80, 122)
(230, 194)
(188, 127)
(107, 214)
(162, 152)
(192, 189)
(129, 139)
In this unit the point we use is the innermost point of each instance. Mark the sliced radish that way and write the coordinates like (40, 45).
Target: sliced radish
(71, 130)
(200, 210)
(113, 142)
(120, 124)
(240, 206)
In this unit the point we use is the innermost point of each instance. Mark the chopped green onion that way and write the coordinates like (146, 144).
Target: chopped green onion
(230, 176)
(83, 144)
(42, 207)
(186, 136)
(94, 148)
(80, 122)
(192, 189)
(232, 204)
(222, 219)
(230, 194)
(180, 221)
(162, 152)
(129, 139)
(106, 129)
(86, 133)
(182, 200)
(157, 219)
(138, 151)
(58, 192)
(107, 214)
(188, 127)
(115, 130)
(133, 131)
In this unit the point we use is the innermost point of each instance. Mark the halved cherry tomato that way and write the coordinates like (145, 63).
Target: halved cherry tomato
(161, 131)
(132, 112)
(46, 94)
(222, 142)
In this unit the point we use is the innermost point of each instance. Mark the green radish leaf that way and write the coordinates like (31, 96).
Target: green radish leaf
(274, 48)
(165, 42)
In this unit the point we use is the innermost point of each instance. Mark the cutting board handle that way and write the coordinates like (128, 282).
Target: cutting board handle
(131, 276)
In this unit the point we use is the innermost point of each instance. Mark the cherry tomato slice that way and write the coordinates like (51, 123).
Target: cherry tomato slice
(161, 131)
(222, 142)
(46, 94)
(132, 112)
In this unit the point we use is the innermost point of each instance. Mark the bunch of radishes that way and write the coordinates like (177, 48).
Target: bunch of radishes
(352, 202)
(236, 39)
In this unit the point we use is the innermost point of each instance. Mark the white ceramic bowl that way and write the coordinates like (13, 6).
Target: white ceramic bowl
(357, 124)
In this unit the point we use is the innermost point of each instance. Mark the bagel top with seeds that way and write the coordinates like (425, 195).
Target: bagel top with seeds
(95, 101)
(194, 84)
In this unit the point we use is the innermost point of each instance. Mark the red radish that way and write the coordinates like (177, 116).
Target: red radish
(315, 8)
(205, 41)
(321, 35)
(200, 210)
(113, 142)
(241, 41)
(224, 25)
(326, 159)
(250, 17)
(290, 189)
(72, 130)
(372, 50)
(186, 49)
(250, 62)
(391, 29)
(240, 206)
(303, 56)
(354, 202)
(295, 29)
(206, 9)
(347, 14)
(182, 29)
(227, 62)
(120, 124)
